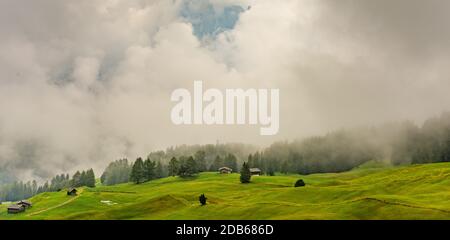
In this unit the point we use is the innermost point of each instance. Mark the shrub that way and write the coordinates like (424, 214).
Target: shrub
(299, 183)
(202, 199)
(245, 173)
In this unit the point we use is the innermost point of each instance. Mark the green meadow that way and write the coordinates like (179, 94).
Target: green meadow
(372, 191)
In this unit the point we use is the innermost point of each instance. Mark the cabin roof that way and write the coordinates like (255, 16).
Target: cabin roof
(14, 207)
(255, 170)
(25, 202)
(225, 168)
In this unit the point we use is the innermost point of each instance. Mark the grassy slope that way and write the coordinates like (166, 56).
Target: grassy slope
(412, 192)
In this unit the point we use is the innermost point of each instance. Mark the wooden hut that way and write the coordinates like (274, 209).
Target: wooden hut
(25, 204)
(72, 192)
(16, 208)
(255, 171)
(225, 170)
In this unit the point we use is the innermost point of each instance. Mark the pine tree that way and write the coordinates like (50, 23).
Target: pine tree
(159, 171)
(116, 172)
(182, 167)
(74, 183)
(187, 167)
(137, 171)
(231, 162)
(192, 167)
(250, 161)
(90, 178)
(34, 187)
(245, 173)
(149, 170)
(200, 159)
(45, 188)
(173, 167)
(103, 178)
(218, 163)
(257, 162)
(82, 179)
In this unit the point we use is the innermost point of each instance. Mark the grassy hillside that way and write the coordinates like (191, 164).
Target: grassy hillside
(369, 192)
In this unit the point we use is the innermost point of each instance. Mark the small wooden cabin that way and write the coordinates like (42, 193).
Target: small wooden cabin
(255, 171)
(16, 208)
(72, 192)
(25, 204)
(225, 170)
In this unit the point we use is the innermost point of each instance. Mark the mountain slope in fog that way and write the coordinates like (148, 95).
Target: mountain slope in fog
(368, 192)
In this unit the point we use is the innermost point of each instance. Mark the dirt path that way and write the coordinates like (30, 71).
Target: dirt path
(57, 206)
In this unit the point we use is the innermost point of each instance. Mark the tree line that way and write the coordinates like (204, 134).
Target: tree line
(120, 171)
(398, 143)
(427, 144)
(140, 171)
(19, 190)
(144, 171)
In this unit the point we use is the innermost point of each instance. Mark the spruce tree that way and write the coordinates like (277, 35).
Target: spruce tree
(90, 178)
(245, 173)
(34, 187)
(173, 167)
(137, 171)
(192, 167)
(200, 159)
(82, 179)
(45, 188)
(103, 178)
(116, 172)
(74, 183)
(250, 161)
(218, 163)
(159, 171)
(231, 162)
(149, 170)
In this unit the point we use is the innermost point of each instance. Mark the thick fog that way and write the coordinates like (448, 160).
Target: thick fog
(83, 83)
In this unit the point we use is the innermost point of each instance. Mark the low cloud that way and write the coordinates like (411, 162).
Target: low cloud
(87, 82)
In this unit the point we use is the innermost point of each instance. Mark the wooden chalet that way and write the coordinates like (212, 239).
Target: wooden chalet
(72, 192)
(225, 170)
(16, 209)
(255, 171)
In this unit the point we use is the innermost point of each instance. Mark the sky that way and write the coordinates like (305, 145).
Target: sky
(83, 83)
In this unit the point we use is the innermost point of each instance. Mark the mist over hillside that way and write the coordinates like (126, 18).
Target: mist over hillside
(88, 82)
(395, 143)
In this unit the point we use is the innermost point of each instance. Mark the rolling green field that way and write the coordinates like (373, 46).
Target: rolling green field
(368, 192)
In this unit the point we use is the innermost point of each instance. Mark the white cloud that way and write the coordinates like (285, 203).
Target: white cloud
(83, 83)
